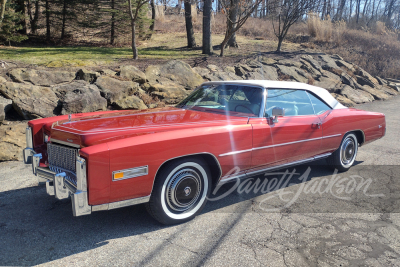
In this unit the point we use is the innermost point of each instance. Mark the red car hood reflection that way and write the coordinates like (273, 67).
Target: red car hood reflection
(98, 129)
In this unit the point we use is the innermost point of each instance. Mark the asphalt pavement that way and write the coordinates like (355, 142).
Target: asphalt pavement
(303, 216)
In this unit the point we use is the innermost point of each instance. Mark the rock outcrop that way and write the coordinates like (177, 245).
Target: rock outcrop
(132, 73)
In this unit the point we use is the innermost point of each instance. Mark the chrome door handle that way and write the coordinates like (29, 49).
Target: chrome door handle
(318, 124)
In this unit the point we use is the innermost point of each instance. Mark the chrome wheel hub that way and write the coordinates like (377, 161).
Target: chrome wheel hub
(348, 151)
(183, 190)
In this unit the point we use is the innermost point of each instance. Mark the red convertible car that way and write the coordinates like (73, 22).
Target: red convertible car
(171, 158)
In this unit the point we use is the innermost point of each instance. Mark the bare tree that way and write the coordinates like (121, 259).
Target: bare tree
(285, 13)
(33, 16)
(237, 12)
(207, 41)
(134, 14)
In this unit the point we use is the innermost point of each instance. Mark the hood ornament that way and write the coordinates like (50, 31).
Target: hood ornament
(69, 117)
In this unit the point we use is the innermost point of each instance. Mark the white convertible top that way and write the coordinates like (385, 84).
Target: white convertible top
(320, 92)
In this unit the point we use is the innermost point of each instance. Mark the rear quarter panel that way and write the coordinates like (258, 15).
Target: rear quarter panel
(341, 121)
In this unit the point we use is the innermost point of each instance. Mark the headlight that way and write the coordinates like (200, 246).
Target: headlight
(46, 138)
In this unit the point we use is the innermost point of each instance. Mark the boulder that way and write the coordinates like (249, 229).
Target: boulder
(309, 68)
(113, 89)
(327, 83)
(107, 72)
(212, 68)
(394, 86)
(30, 101)
(312, 61)
(222, 76)
(367, 76)
(381, 81)
(331, 75)
(201, 71)
(130, 102)
(133, 74)
(268, 73)
(289, 63)
(388, 90)
(41, 77)
(348, 80)
(12, 141)
(169, 93)
(336, 56)
(377, 94)
(175, 71)
(254, 64)
(343, 100)
(355, 95)
(328, 63)
(364, 82)
(79, 97)
(342, 63)
(293, 73)
(254, 76)
(230, 69)
(240, 71)
(268, 61)
(87, 75)
(5, 106)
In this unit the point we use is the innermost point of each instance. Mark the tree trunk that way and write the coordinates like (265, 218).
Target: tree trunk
(112, 30)
(207, 42)
(33, 19)
(280, 40)
(47, 20)
(20, 8)
(153, 20)
(191, 41)
(134, 48)
(64, 15)
(2, 10)
(232, 21)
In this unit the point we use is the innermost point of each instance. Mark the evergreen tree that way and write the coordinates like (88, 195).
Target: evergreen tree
(11, 25)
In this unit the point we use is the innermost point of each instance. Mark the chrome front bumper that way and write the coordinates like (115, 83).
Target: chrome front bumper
(56, 184)
(59, 186)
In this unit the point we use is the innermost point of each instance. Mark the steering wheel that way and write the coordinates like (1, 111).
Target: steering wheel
(245, 108)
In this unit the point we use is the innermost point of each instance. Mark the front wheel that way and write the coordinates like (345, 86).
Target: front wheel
(344, 157)
(180, 191)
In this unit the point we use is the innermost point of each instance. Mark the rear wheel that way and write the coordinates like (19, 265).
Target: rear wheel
(344, 157)
(180, 191)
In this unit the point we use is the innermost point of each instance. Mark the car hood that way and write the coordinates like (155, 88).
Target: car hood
(91, 130)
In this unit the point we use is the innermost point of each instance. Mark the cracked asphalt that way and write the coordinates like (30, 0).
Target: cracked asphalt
(313, 218)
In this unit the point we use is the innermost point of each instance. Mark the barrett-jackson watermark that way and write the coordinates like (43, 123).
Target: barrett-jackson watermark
(279, 185)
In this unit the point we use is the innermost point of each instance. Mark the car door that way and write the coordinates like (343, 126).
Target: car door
(295, 136)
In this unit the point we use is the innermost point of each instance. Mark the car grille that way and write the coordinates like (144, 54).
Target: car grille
(63, 159)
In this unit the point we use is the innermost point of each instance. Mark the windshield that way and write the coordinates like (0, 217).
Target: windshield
(232, 100)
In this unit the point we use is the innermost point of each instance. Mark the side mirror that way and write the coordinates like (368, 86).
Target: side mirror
(277, 112)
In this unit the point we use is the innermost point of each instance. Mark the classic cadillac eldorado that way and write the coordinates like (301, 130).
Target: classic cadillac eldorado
(171, 158)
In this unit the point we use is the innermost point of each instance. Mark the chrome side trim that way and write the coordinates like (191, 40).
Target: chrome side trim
(132, 173)
(201, 153)
(290, 164)
(120, 204)
(64, 143)
(236, 152)
(283, 144)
